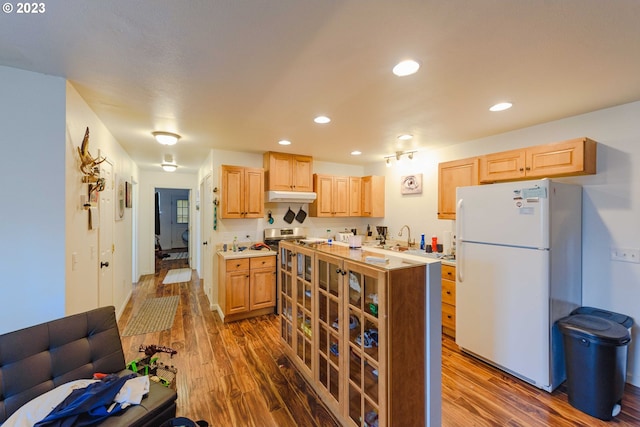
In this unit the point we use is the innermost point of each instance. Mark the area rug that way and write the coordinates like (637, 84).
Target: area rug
(155, 314)
(177, 255)
(177, 275)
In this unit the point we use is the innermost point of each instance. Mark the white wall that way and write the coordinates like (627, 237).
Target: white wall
(82, 279)
(32, 218)
(611, 202)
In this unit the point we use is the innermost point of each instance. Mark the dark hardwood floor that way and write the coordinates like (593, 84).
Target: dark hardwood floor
(237, 375)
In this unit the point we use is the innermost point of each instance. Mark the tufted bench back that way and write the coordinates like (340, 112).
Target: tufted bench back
(37, 359)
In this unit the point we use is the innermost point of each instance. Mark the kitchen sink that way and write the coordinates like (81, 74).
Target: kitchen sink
(432, 255)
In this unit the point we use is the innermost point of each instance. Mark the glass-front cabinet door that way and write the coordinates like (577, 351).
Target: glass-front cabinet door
(303, 264)
(329, 317)
(285, 279)
(366, 349)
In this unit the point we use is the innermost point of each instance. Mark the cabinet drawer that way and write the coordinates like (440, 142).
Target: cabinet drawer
(262, 262)
(448, 272)
(448, 292)
(237, 264)
(449, 316)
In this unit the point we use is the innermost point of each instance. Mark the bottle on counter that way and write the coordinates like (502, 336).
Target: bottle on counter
(434, 243)
(422, 242)
(329, 239)
(235, 244)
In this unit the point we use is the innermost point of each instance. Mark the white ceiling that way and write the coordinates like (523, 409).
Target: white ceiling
(242, 74)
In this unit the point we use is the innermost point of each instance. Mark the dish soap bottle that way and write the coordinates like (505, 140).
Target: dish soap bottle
(329, 240)
(422, 242)
(434, 243)
(235, 244)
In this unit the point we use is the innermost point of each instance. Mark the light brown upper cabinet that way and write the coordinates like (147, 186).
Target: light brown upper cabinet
(288, 172)
(242, 192)
(355, 196)
(373, 196)
(573, 157)
(451, 175)
(332, 196)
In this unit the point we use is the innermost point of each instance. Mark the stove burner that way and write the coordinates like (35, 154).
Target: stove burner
(273, 236)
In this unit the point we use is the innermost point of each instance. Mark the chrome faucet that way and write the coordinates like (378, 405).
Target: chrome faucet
(409, 242)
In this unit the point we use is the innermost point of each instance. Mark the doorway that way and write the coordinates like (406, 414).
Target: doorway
(172, 228)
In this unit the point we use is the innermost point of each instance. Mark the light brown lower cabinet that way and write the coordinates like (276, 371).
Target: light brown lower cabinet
(246, 286)
(449, 300)
(356, 332)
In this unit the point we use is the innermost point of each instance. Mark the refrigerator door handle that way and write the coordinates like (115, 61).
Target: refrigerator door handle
(460, 238)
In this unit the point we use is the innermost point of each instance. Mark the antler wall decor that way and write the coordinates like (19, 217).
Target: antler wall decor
(89, 165)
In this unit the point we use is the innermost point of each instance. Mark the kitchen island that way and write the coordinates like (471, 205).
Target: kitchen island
(363, 326)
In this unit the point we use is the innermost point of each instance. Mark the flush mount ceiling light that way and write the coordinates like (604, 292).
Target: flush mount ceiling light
(166, 138)
(501, 106)
(405, 137)
(284, 142)
(169, 164)
(406, 68)
(169, 167)
(322, 120)
(356, 153)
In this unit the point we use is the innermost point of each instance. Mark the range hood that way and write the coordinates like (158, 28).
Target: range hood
(289, 196)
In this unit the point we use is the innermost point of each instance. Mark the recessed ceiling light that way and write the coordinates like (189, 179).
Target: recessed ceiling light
(166, 138)
(501, 106)
(322, 119)
(406, 68)
(356, 153)
(405, 137)
(284, 142)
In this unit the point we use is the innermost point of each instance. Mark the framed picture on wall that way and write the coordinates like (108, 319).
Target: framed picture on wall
(119, 197)
(411, 184)
(127, 194)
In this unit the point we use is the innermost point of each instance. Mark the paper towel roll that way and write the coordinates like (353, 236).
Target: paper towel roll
(447, 238)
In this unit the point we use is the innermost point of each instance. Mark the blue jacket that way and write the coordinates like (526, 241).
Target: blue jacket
(87, 406)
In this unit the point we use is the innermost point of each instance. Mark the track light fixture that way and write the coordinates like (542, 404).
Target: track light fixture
(398, 156)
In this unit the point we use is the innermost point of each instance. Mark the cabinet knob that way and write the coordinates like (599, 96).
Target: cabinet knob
(448, 316)
(237, 265)
(448, 292)
(528, 168)
(521, 169)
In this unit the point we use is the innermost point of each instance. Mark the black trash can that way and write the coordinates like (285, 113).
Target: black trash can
(595, 351)
(623, 319)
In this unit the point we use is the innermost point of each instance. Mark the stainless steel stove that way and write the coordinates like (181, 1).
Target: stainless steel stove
(273, 236)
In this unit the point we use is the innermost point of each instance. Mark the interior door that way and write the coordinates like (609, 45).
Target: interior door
(105, 237)
(206, 218)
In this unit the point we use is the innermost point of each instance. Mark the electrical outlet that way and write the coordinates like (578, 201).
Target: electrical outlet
(625, 254)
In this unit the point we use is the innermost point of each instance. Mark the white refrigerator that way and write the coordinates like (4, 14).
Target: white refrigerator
(519, 269)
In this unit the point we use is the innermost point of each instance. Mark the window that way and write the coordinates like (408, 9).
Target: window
(182, 211)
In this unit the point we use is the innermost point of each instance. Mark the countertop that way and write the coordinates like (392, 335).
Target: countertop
(375, 257)
(247, 253)
(412, 254)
